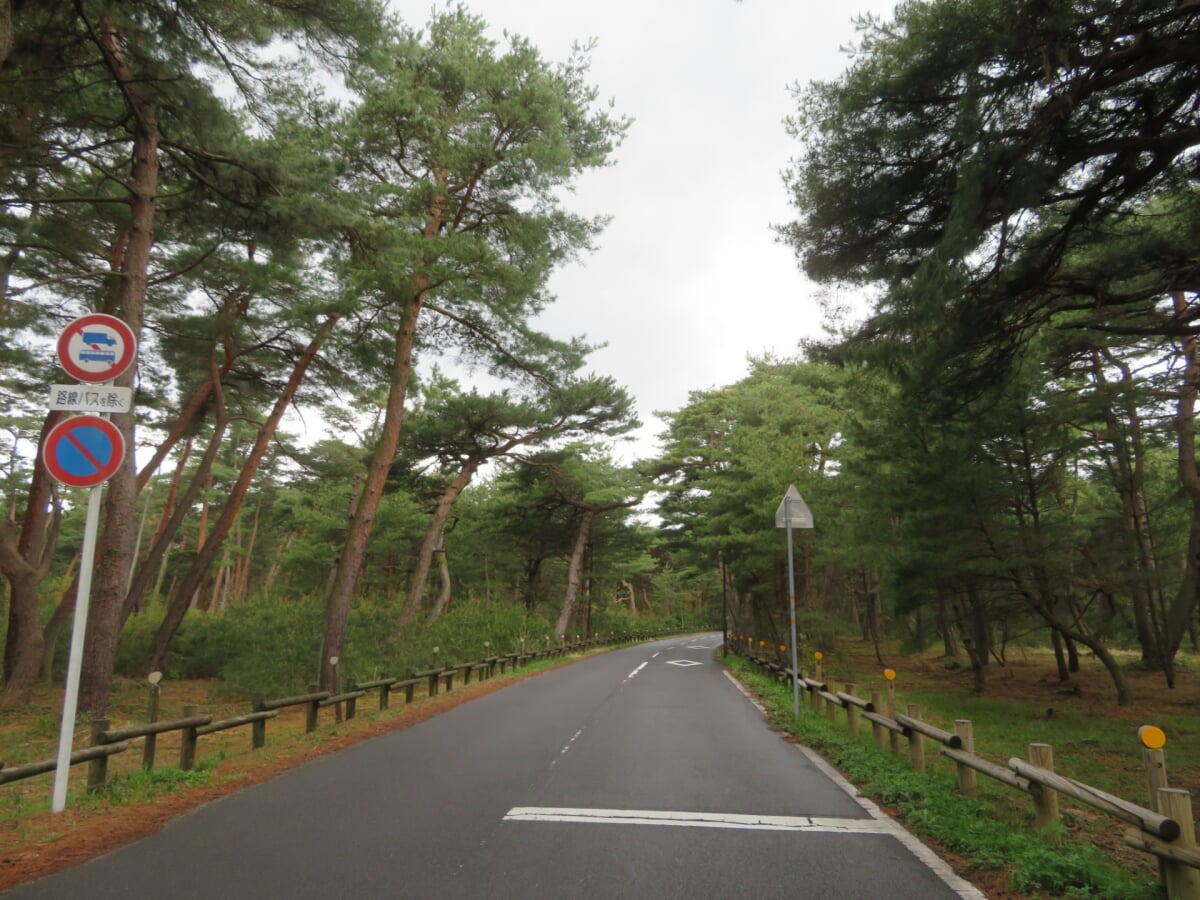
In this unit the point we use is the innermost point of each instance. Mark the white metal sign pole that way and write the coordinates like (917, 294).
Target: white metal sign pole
(75, 662)
(787, 515)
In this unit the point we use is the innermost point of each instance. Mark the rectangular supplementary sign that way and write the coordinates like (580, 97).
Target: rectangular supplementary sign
(91, 398)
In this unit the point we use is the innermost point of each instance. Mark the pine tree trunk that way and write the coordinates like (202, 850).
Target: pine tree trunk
(443, 601)
(115, 550)
(574, 569)
(434, 535)
(25, 560)
(178, 600)
(242, 585)
(58, 619)
(273, 572)
(173, 517)
(1182, 610)
(362, 520)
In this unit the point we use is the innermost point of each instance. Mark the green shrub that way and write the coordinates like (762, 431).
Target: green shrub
(133, 644)
(272, 645)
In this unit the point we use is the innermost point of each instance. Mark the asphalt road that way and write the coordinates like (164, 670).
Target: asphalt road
(641, 773)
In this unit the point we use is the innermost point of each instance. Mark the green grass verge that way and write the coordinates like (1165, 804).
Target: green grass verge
(989, 834)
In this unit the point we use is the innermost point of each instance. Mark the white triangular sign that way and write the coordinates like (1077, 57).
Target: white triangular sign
(793, 507)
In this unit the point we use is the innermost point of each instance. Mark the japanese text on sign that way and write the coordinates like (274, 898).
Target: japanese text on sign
(86, 398)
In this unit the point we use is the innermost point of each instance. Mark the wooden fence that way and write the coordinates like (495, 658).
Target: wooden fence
(106, 741)
(1167, 830)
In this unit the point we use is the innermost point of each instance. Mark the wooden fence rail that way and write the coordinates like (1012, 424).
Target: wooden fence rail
(1168, 831)
(109, 741)
(28, 770)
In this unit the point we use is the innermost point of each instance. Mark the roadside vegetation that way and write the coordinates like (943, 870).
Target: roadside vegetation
(991, 838)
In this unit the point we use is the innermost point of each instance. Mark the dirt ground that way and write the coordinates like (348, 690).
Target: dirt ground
(35, 842)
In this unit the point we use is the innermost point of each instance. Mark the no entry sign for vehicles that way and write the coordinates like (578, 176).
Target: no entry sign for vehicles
(83, 451)
(96, 348)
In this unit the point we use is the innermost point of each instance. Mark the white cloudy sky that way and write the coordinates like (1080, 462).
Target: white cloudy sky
(688, 280)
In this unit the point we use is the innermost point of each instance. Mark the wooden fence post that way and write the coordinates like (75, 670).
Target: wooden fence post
(151, 740)
(385, 691)
(98, 767)
(820, 676)
(876, 728)
(188, 738)
(1155, 761)
(851, 710)
(310, 718)
(967, 782)
(893, 737)
(1183, 881)
(1045, 800)
(351, 702)
(916, 744)
(258, 730)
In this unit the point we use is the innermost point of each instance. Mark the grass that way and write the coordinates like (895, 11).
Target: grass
(1093, 742)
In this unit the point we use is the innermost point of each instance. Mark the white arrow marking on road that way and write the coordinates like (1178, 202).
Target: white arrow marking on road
(696, 820)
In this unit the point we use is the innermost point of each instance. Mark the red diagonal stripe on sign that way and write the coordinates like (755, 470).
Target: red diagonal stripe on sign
(83, 450)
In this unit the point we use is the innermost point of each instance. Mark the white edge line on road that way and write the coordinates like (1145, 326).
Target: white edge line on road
(695, 820)
(939, 866)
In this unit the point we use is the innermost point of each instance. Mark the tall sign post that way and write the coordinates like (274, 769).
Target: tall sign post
(85, 451)
(793, 512)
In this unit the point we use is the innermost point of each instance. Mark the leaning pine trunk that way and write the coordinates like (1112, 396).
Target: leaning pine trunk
(115, 552)
(443, 600)
(433, 539)
(362, 519)
(574, 571)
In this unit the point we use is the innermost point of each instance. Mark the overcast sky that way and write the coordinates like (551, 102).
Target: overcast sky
(688, 280)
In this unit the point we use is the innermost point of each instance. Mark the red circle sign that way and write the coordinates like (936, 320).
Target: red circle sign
(83, 451)
(96, 348)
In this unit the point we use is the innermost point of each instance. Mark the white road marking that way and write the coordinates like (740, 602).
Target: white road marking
(696, 820)
(563, 751)
(634, 672)
(683, 663)
(655, 656)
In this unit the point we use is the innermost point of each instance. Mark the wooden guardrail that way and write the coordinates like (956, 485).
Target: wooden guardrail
(106, 741)
(1167, 831)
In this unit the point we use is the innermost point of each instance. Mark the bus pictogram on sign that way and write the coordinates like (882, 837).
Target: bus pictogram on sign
(96, 348)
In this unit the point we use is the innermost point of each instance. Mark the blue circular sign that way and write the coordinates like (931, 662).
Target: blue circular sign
(83, 451)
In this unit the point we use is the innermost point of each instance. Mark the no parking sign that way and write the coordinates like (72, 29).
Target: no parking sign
(83, 451)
